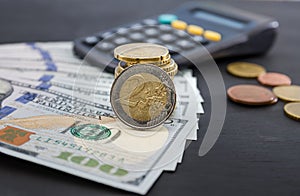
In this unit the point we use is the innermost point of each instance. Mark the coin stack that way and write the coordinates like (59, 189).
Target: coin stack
(144, 53)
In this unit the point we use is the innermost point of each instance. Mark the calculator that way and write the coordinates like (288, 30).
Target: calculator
(222, 30)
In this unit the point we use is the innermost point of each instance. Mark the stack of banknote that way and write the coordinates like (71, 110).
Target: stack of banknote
(58, 114)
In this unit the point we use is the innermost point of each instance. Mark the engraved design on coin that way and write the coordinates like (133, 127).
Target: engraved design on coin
(90, 132)
(143, 96)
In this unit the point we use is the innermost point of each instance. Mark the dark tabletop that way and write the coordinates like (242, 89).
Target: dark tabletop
(258, 151)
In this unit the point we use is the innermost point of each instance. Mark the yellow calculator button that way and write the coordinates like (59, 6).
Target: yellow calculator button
(212, 36)
(179, 24)
(195, 30)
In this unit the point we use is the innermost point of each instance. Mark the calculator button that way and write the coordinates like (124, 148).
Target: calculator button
(166, 18)
(200, 39)
(136, 27)
(150, 22)
(212, 35)
(195, 30)
(123, 31)
(168, 38)
(105, 46)
(151, 32)
(181, 34)
(137, 36)
(179, 24)
(165, 28)
(107, 34)
(91, 40)
(121, 40)
(185, 44)
(153, 41)
(173, 49)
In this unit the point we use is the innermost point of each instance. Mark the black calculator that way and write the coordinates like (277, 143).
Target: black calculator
(222, 30)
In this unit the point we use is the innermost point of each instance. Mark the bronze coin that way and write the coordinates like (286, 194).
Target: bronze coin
(251, 95)
(274, 79)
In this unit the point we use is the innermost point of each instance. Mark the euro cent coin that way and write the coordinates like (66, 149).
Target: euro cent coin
(288, 93)
(143, 96)
(292, 110)
(141, 52)
(274, 79)
(245, 70)
(251, 95)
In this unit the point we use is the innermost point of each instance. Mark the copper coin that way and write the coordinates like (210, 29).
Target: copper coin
(274, 79)
(251, 95)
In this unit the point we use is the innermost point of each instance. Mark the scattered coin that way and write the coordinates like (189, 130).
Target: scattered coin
(292, 110)
(143, 96)
(288, 93)
(251, 95)
(141, 53)
(274, 79)
(245, 70)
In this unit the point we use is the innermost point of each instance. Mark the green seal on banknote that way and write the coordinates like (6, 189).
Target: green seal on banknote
(91, 132)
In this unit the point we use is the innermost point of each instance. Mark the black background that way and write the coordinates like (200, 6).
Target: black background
(257, 152)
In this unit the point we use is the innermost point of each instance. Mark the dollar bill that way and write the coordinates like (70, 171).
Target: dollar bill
(59, 102)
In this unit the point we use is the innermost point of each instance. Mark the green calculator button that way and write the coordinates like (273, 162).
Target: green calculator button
(166, 18)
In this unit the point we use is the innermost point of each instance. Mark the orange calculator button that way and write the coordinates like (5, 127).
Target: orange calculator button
(212, 36)
(195, 30)
(179, 24)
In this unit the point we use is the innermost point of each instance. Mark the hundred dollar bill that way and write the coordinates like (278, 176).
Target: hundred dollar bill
(89, 148)
(62, 103)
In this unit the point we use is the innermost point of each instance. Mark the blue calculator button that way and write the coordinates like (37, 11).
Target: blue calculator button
(166, 18)
(150, 22)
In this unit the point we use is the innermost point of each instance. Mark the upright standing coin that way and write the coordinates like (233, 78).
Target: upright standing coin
(245, 70)
(288, 93)
(143, 96)
(251, 95)
(274, 79)
(141, 53)
(292, 110)
(5, 90)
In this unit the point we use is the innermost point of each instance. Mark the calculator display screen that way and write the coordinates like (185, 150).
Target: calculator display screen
(211, 17)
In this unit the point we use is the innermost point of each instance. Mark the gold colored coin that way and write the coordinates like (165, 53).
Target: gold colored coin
(169, 67)
(173, 72)
(118, 70)
(157, 63)
(143, 96)
(245, 70)
(288, 93)
(292, 110)
(141, 53)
